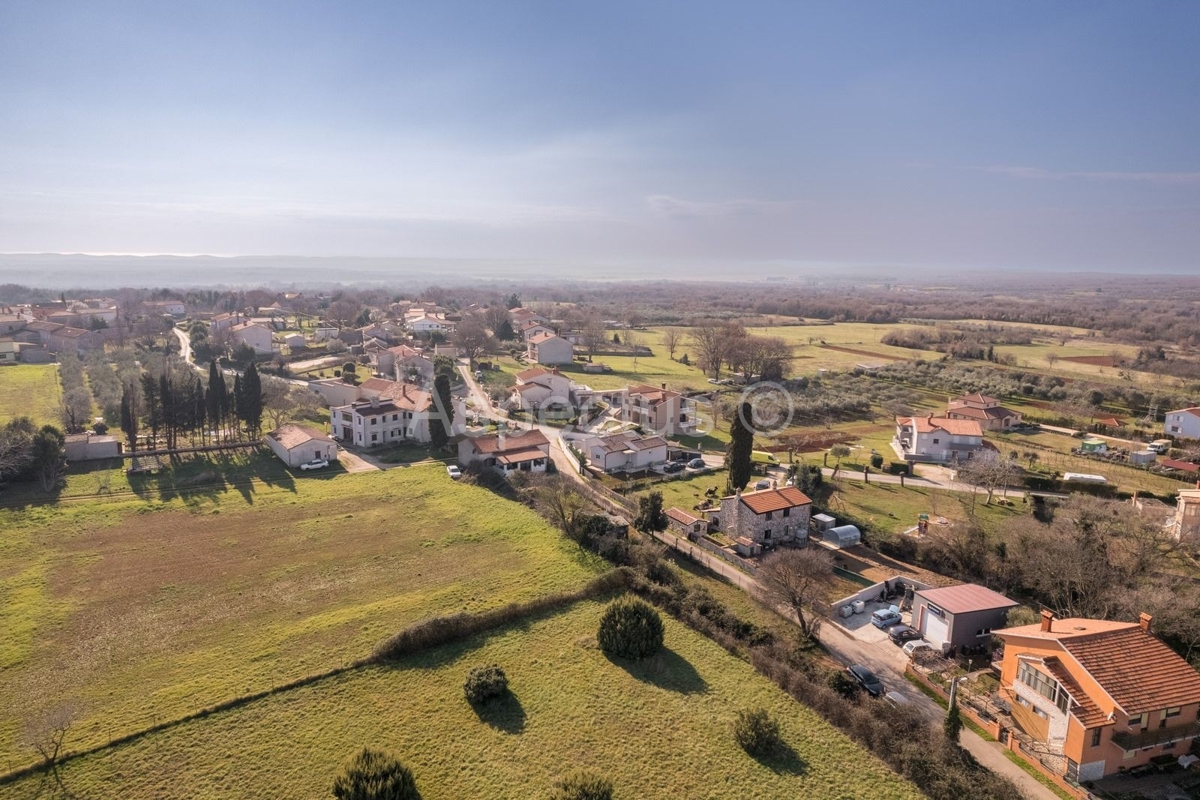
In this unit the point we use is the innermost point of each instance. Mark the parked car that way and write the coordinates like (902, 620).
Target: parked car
(915, 645)
(899, 634)
(672, 467)
(763, 484)
(886, 617)
(319, 463)
(866, 679)
(897, 699)
(697, 463)
(478, 374)
(454, 472)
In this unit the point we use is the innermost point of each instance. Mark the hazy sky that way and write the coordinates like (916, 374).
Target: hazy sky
(1027, 135)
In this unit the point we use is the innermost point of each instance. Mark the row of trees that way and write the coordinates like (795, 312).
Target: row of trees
(175, 405)
(30, 453)
(727, 345)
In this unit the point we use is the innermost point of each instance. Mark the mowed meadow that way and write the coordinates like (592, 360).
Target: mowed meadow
(659, 728)
(137, 610)
(30, 390)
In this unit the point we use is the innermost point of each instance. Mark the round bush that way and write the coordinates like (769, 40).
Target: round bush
(583, 785)
(630, 628)
(756, 732)
(877, 461)
(484, 683)
(372, 775)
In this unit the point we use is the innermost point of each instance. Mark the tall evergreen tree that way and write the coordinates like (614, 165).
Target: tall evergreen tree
(130, 415)
(150, 390)
(250, 401)
(442, 416)
(215, 399)
(739, 454)
(235, 405)
(952, 725)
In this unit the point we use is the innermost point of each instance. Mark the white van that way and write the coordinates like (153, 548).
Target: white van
(915, 645)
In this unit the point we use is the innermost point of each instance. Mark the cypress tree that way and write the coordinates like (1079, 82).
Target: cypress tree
(235, 403)
(442, 418)
(739, 454)
(250, 403)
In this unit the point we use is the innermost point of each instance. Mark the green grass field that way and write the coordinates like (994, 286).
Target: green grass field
(660, 728)
(30, 390)
(143, 608)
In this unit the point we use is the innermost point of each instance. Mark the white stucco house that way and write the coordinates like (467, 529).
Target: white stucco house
(389, 413)
(298, 444)
(549, 349)
(625, 452)
(938, 439)
(252, 334)
(1183, 423)
(538, 388)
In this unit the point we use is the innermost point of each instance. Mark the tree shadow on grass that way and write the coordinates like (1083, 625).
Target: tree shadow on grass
(665, 669)
(504, 713)
(782, 760)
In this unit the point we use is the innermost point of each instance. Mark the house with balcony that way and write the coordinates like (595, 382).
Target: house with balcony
(548, 349)
(541, 389)
(625, 452)
(985, 410)
(937, 439)
(1103, 696)
(507, 453)
(661, 410)
(389, 413)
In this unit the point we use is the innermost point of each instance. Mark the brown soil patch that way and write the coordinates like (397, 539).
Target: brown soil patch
(1095, 361)
(868, 353)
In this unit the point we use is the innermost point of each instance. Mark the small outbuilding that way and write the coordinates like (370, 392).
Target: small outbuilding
(91, 447)
(842, 536)
(298, 444)
(685, 524)
(958, 617)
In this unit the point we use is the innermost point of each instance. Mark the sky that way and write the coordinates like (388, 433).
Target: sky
(1016, 135)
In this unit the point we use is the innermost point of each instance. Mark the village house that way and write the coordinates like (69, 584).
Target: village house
(959, 618)
(525, 452)
(985, 410)
(404, 363)
(175, 308)
(1183, 423)
(1185, 525)
(424, 324)
(1106, 696)
(63, 339)
(666, 412)
(254, 335)
(521, 316)
(387, 415)
(763, 519)
(685, 524)
(10, 351)
(223, 322)
(298, 444)
(90, 446)
(294, 341)
(931, 438)
(549, 349)
(625, 452)
(532, 328)
(538, 388)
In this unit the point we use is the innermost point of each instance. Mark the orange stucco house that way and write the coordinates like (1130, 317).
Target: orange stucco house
(1108, 696)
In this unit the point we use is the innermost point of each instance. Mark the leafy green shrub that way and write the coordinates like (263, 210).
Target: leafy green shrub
(373, 775)
(582, 785)
(484, 683)
(842, 683)
(877, 461)
(756, 732)
(630, 628)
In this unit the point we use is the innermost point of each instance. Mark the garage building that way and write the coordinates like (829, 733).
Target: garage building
(959, 617)
(299, 444)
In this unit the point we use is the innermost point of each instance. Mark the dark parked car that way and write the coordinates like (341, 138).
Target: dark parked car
(866, 679)
(696, 463)
(899, 634)
(672, 467)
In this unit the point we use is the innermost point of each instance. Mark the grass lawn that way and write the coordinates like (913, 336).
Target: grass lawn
(143, 608)
(659, 728)
(30, 390)
(888, 508)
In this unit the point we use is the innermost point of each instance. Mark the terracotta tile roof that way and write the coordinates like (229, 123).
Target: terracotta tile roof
(653, 394)
(292, 435)
(965, 598)
(1194, 411)
(775, 499)
(995, 412)
(522, 455)
(1186, 466)
(544, 336)
(682, 517)
(954, 427)
(486, 445)
(977, 398)
(530, 323)
(1083, 707)
(1137, 670)
(404, 395)
(532, 372)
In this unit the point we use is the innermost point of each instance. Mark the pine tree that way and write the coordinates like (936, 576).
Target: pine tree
(739, 454)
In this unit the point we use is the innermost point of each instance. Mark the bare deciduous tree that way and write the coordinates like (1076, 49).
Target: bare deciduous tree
(672, 338)
(796, 578)
(558, 500)
(471, 336)
(47, 736)
(594, 333)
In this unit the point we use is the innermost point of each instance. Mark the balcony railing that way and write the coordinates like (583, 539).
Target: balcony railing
(1128, 740)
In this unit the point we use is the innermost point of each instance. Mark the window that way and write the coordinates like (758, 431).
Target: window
(787, 512)
(935, 441)
(1096, 737)
(374, 421)
(1138, 721)
(1172, 712)
(1045, 686)
(374, 437)
(983, 632)
(766, 534)
(346, 417)
(770, 514)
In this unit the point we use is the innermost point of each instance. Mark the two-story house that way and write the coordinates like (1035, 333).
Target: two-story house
(625, 452)
(388, 415)
(539, 388)
(1183, 423)
(985, 410)
(763, 519)
(547, 348)
(1185, 525)
(258, 337)
(940, 439)
(661, 410)
(1107, 696)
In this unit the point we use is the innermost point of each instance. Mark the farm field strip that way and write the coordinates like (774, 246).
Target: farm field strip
(31, 390)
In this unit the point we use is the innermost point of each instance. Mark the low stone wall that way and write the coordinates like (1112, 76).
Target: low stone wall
(720, 552)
